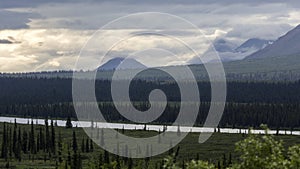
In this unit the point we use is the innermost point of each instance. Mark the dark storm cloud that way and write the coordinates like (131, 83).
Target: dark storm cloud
(15, 20)
(92, 14)
(5, 41)
(9, 40)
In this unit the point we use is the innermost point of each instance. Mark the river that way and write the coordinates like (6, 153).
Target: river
(141, 126)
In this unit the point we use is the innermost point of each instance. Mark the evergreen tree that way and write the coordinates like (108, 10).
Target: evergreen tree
(118, 166)
(32, 144)
(15, 123)
(59, 148)
(4, 143)
(10, 150)
(18, 154)
(102, 138)
(69, 122)
(98, 134)
(106, 157)
(159, 137)
(178, 131)
(47, 140)
(91, 145)
(25, 142)
(20, 139)
(18, 145)
(75, 161)
(87, 145)
(69, 156)
(53, 145)
(83, 145)
(14, 146)
(42, 139)
(74, 142)
(38, 142)
(130, 163)
(230, 159)
(123, 130)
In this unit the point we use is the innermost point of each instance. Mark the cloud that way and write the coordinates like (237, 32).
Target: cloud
(259, 31)
(5, 41)
(9, 40)
(15, 20)
(46, 35)
(40, 47)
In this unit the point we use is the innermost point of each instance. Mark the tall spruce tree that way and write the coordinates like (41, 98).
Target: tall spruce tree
(32, 140)
(74, 142)
(4, 149)
(60, 148)
(87, 145)
(48, 142)
(25, 142)
(69, 122)
(42, 139)
(53, 145)
(14, 140)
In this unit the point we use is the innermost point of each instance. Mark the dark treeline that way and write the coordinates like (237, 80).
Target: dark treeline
(57, 90)
(199, 72)
(235, 114)
(249, 103)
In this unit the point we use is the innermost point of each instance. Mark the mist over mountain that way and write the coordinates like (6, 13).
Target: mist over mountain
(229, 51)
(222, 45)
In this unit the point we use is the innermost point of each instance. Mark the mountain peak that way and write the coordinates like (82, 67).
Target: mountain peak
(286, 45)
(121, 63)
(254, 44)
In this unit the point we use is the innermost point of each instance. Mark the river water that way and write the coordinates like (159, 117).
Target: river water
(127, 126)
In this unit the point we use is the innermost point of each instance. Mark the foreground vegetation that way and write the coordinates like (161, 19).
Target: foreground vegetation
(255, 152)
(37, 146)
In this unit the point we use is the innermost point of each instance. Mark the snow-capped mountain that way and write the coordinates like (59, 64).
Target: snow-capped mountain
(287, 45)
(228, 51)
(253, 44)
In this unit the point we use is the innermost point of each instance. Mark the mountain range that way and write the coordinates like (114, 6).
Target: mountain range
(227, 51)
(281, 58)
(281, 52)
(254, 48)
(274, 60)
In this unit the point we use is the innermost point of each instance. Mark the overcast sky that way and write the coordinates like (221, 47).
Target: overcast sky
(39, 35)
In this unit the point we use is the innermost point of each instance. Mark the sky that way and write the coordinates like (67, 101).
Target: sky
(49, 35)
